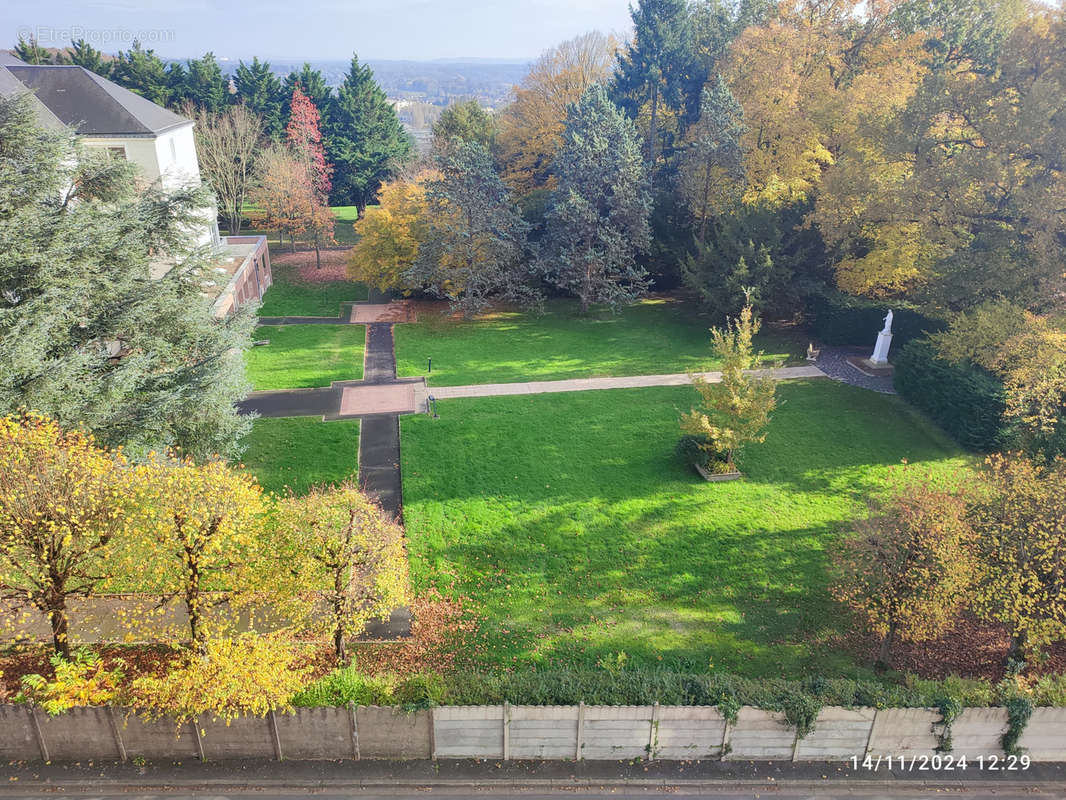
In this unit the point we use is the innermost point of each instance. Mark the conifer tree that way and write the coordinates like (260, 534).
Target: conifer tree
(366, 141)
(87, 334)
(260, 90)
(597, 224)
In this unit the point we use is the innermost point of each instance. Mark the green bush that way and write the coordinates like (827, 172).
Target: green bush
(348, 686)
(965, 400)
(424, 690)
(840, 319)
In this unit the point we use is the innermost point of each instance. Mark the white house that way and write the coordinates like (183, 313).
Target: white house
(159, 142)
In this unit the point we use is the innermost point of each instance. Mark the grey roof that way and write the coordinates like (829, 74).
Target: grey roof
(7, 58)
(94, 105)
(11, 86)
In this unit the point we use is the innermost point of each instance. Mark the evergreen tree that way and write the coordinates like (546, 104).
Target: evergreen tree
(712, 162)
(86, 335)
(143, 72)
(312, 84)
(204, 84)
(83, 54)
(474, 251)
(365, 140)
(598, 222)
(30, 51)
(656, 69)
(260, 90)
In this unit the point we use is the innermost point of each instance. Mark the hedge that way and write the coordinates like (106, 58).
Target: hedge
(838, 319)
(964, 400)
(643, 686)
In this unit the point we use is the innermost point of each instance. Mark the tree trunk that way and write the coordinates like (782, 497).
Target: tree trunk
(884, 653)
(1016, 654)
(281, 238)
(235, 223)
(653, 129)
(706, 200)
(318, 254)
(57, 617)
(292, 242)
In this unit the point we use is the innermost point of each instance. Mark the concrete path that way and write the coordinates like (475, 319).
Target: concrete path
(379, 435)
(589, 384)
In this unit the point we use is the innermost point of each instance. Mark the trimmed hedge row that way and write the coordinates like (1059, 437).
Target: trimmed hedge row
(964, 400)
(647, 686)
(838, 319)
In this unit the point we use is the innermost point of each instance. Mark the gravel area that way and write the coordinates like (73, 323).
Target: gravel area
(833, 362)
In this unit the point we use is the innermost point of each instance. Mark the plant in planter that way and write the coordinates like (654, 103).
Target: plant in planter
(734, 411)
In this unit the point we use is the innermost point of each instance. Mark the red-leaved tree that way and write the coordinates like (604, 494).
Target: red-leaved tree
(305, 137)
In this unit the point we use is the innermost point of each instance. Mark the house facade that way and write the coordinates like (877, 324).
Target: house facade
(108, 117)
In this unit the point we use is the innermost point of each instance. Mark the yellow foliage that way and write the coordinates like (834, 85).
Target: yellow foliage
(78, 682)
(248, 674)
(349, 553)
(390, 234)
(531, 127)
(736, 409)
(199, 528)
(63, 504)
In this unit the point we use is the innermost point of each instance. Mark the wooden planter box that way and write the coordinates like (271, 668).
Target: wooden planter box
(717, 477)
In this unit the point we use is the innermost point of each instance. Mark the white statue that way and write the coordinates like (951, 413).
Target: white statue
(884, 341)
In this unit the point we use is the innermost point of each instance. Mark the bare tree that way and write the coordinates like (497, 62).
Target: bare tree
(226, 143)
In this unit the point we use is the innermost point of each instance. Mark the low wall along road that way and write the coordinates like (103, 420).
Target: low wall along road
(523, 732)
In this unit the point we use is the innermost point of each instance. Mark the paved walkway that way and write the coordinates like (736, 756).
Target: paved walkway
(588, 384)
(382, 398)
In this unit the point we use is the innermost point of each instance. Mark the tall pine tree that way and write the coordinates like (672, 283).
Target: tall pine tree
(598, 221)
(204, 84)
(143, 72)
(365, 139)
(655, 70)
(312, 84)
(260, 90)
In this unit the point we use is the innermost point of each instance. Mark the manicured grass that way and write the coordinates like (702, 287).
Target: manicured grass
(300, 452)
(650, 338)
(301, 356)
(291, 297)
(309, 299)
(343, 231)
(573, 532)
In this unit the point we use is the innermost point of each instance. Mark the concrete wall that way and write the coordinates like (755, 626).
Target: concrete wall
(517, 732)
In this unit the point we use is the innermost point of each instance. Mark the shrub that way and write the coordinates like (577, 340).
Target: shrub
(839, 319)
(347, 686)
(249, 674)
(424, 690)
(80, 681)
(966, 401)
(1049, 690)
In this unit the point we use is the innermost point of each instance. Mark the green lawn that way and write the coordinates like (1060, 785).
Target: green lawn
(573, 532)
(299, 452)
(301, 356)
(290, 297)
(343, 231)
(649, 338)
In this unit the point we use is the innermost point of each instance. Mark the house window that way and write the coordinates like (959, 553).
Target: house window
(173, 152)
(117, 152)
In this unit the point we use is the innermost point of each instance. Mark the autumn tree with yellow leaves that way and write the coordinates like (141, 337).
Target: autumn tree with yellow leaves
(349, 553)
(531, 127)
(1020, 527)
(390, 235)
(907, 568)
(63, 505)
(199, 540)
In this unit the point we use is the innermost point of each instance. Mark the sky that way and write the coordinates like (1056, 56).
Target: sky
(315, 29)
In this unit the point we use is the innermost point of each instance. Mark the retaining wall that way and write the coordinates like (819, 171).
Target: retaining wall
(518, 732)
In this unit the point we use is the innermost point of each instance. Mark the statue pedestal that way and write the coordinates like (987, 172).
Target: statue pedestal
(880, 354)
